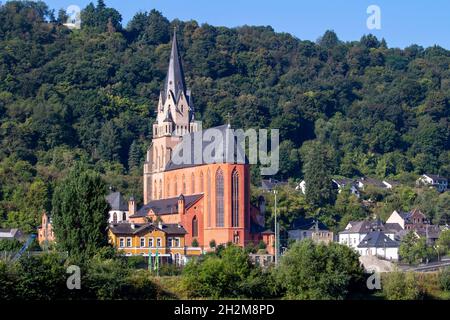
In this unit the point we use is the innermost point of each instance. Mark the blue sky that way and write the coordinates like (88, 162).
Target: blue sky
(403, 22)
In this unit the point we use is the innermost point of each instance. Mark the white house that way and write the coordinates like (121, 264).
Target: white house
(356, 231)
(301, 186)
(397, 217)
(345, 182)
(378, 244)
(119, 207)
(433, 180)
(11, 233)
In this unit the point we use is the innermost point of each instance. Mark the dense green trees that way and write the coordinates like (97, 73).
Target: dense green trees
(413, 249)
(311, 271)
(80, 213)
(225, 274)
(105, 276)
(90, 94)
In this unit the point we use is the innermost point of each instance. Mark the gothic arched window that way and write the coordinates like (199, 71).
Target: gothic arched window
(114, 217)
(167, 188)
(175, 188)
(192, 183)
(183, 190)
(235, 199)
(201, 183)
(208, 187)
(219, 199)
(160, 189)
(194, 227)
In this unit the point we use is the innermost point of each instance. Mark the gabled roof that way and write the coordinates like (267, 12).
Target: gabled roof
(364, 226)
(197, 158)
(303, 223)
(166, 206)
(117, 202)
(393, 227)
(435, 176)
(371, 181)
(132, 229)
(377, 239)
(342, 182)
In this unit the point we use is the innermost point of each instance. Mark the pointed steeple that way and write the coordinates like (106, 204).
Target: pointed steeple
(175, 77)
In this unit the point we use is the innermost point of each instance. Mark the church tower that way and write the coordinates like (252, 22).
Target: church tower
(174, 118)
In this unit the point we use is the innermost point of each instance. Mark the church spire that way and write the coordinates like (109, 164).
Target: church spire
(175, 77)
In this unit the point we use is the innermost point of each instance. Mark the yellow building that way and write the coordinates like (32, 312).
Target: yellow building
(140, 239)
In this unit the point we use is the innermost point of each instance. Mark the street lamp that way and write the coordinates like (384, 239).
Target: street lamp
(276, 228)
(436, 247)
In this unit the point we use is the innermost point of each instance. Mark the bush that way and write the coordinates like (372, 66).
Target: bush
(41, 277)
(401, 286)
(228, 273)
(318, 271)
(444, 279)
(10, 245)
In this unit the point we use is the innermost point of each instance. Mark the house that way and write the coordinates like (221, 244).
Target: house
(364, 182)
(390, 184)
(356, 231)
(397, 217)
(162, 239)
(377, 243)
(342, 183)
(118, 207)
(416, 221)
(309, 228)
(11, 234)
(433, 180)
(268, 185)
(301, 187)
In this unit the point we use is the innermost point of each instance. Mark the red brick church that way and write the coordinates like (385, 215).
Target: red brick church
(210, 200)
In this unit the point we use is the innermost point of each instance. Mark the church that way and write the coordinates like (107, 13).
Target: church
(208, 201)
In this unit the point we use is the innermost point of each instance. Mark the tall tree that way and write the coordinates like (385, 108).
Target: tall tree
(109, 146)
(80, 213)
(317, 173)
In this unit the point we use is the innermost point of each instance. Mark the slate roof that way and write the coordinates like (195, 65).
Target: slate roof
(436, 177)
(270, 184)
(127, 228)
(342, 182)
(174, 81)
(371, 181)
(302, 223)
(364, 226)
(166, 206)
(395, 227)
(10, 233)
(377, 239)
(117, 201)
(196, 158)
(430, 232)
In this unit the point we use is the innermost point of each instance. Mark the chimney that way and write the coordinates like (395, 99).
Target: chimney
(181, 204)
(160, 225)
(131, 206)
(133, 226)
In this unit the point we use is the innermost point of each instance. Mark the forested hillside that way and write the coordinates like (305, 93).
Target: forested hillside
(91, 94)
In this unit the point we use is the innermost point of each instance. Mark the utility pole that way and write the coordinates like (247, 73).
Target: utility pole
(276, 229)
